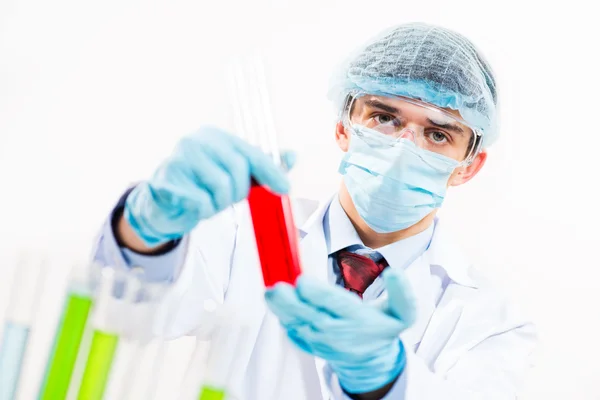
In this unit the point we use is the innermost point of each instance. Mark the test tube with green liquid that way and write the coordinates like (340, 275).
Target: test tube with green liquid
(228, 339)
(108, 322)
(69, 334)
(210, 393)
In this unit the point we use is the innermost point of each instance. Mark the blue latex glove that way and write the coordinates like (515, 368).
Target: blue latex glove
(359, 340)
(208, 171)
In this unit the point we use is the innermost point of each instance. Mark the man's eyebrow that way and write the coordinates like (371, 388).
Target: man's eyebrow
(449, 126)
(382, 106)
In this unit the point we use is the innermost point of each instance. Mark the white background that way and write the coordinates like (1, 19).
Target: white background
(94, 95)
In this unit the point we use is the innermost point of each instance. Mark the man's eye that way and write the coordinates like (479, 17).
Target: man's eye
(384, 119)
(438, 137)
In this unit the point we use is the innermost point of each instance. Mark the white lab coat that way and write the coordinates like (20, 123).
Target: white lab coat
(471, 344)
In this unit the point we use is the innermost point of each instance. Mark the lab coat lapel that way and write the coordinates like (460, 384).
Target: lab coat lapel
(419, 276)
(446, 313)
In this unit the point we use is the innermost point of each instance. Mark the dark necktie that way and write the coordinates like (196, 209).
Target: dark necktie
(358, 272)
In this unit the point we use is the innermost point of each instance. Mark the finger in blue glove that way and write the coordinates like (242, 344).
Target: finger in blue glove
(401, 302)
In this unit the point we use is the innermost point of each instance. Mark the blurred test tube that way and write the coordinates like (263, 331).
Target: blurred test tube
(116, 293)
(69, 333)
(228, 339)
(138, 335)
(27, 285)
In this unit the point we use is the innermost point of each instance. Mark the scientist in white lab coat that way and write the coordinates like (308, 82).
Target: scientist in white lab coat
(387, 304)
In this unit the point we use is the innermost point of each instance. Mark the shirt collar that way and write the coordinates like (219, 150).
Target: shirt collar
(339, 231)
(405, 251)
(340, 234)
(441, 249)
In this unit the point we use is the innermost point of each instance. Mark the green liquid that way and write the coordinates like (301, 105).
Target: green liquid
(211, 393)
(97, 369)
(65, 349)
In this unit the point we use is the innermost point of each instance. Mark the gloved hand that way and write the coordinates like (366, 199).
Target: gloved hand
(359, 340)
(208, 171)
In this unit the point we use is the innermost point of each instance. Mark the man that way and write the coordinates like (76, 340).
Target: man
(386, 303)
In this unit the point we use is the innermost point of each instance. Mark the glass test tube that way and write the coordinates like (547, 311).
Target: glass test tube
(272, 218)
(23, 302)
(140, 333)
(69, 334)
(228, 339)
(163, 345)
(108, 323)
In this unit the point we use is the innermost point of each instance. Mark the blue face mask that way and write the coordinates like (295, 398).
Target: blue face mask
(393, 183)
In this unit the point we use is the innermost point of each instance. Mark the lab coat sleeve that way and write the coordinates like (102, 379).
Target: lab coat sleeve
(491, 370)
(157, 268)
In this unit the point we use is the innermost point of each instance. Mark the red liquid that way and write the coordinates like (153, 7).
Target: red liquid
(276, 237)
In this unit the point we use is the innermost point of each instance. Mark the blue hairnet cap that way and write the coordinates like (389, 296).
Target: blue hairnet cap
(427, 63)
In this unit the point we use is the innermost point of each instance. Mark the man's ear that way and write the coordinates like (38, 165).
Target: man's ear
(464, 174)
(342, 136)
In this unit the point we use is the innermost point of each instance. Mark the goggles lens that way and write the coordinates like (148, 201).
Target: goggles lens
(429, 127)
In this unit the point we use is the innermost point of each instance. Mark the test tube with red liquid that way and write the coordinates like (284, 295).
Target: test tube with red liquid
(274, 229)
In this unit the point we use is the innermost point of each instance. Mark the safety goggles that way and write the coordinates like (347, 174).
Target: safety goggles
(399, 118)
